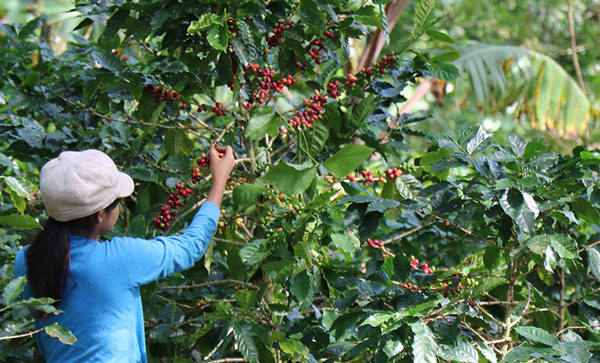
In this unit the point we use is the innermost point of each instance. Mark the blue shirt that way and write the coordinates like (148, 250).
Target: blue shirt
(102, 303)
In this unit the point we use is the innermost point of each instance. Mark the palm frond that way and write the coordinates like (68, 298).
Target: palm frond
(502, 75)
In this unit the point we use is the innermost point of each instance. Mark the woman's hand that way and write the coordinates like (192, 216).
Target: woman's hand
(221, 164)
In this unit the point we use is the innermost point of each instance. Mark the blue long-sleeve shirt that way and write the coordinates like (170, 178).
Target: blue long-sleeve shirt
(102, 303)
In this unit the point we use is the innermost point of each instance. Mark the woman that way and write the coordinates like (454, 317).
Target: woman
(98, 282)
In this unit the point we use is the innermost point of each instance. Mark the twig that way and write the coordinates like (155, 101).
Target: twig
(524, 309)
(211, 283)
(407, 233)
(562, 331)
(491, 316)
(223, 133)
(225, 360)
(222, 240)
(30, 334)
(219, 346)
(586, 247)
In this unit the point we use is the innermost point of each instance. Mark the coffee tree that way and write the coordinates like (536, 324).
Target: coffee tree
(337, 242)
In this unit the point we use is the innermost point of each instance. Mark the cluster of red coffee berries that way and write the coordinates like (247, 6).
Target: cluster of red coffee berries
(162, 95)
(196, 175)
(367, 177)
(388, 60)
(267, 84)
(414, 264)
(313, 108)
(203, 161)
(351, 80)
(328, 34)
(315, 53)
(393, 173)
(217, 109)
(332, 90)
(374, 243)
(277, 37)
(168, 211)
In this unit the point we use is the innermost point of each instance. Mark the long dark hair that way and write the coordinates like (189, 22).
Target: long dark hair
(49, 255)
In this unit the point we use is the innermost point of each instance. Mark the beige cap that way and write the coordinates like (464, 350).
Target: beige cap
(78, 184)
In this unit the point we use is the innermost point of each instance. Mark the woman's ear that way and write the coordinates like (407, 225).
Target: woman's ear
(100, 216)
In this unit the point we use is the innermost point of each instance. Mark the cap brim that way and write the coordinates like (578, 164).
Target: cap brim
(126, 186)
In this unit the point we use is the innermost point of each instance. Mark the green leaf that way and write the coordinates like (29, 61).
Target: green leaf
(22, 187)
(424, 346)
(346, 244)
(479, 143)
(170, 314)
(514, 205)
(262, 121)
(138, 227)
(534, 148)
(375, 320)
(245, 298)
(5, 161)
(18, 202)
(148, 109)
(218, 37)
(63, 334)
(254, 252)
(19, 221)
(442, 37)
(245, 340)
(527, 352)
(291, 179)
(422, 17)
(13, 289)
(385, 89)
(538, 335)
(392, 348)
(347, 159)
(107, 60)
(173, 141)
(487, 352)
(245, 195)
(142, 173)
(585, 210)
(204, 22)
(594, 262)
(517, 144)
(302, 288)
(364, 109)
(460, 352)
(565, 246)
(381, 205)
(401, 267)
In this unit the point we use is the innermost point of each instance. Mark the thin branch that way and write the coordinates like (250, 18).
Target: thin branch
(586, 247)
(222, 240)
(211, 283)
(217, 348)
(407, 233)
(30, 334)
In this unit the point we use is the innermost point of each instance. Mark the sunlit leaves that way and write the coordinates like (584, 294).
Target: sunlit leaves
(290, 178)
(424, 346)
(347, 159)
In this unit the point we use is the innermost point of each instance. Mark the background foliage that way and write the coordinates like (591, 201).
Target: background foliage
(351, 231)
